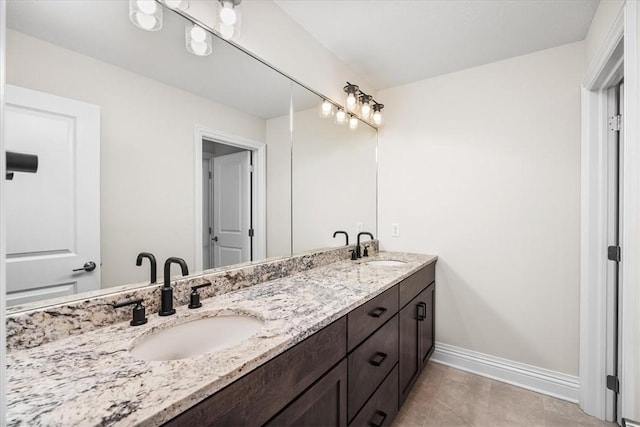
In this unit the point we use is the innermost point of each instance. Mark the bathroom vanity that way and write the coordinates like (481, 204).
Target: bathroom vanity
(342, 344)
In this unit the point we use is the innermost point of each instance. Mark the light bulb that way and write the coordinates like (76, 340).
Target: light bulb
(353, 123)
(198, 34)
(145, 21)
(377, 118)
(326, 109)
(226, 31)
(147, 6)
(227, 14)
(365, 110)
(341, 117)
(176, 4)
(199, 48)
(351, 101)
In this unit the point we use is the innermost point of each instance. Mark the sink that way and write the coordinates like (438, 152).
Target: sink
(385, 262)
(195, 338)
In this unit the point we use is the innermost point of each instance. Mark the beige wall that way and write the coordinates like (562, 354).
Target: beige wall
(601, 23)
(482, 167)
(147, 150)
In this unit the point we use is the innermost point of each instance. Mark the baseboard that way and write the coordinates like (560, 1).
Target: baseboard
(551, 383)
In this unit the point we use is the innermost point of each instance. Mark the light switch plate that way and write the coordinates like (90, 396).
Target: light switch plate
(395, 230)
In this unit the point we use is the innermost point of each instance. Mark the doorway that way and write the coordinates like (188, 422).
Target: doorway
(230, 190)
(226, 202)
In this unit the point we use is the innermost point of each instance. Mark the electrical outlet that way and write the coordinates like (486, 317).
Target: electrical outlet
(395, 230)
(359, 227)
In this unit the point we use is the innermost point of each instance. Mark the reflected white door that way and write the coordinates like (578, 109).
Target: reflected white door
(232, 208)
(52, 216)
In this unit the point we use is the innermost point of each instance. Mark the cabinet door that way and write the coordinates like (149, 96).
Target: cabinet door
(324, 404)
(409, 355)
(426, 317)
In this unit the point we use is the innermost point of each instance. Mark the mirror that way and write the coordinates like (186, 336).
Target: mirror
(334, 177)
(145, 147)
(142, 146)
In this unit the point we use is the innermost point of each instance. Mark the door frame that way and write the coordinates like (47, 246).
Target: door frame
(259, 184)
(614, 60)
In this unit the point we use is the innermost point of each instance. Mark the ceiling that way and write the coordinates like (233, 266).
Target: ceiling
(395, 42)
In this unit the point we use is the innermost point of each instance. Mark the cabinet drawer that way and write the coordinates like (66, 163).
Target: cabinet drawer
(382, 408)
(370, 363)
(364, 320)
(416, 283)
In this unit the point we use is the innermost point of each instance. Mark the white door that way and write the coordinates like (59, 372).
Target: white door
(52, 216)
(207, 199)
(232, 208)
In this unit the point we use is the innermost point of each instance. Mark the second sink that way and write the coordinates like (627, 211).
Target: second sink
(195, 338)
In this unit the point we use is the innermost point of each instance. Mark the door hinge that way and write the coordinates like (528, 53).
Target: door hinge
(614, 253)
(251, 232)
(209, 231)
(615, 123)
(210, 175)
(613, 383)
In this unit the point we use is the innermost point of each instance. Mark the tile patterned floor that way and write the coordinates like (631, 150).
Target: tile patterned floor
(445, 397)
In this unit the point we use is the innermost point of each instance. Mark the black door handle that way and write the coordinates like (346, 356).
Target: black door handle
(377, 312)
(215, 238)
(422, 311)
(378, 358)
(381, 417)
(88, 266)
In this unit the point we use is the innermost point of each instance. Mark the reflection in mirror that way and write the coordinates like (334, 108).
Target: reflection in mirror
(142, 146)
(334, 176)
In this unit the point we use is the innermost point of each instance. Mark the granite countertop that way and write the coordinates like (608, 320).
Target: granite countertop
(91, 379)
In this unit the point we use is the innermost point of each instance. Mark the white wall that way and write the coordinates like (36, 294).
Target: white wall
(147, 150)
(272, 35)
(334, 181)
(278, 137)
(481, 167)
(602, 21)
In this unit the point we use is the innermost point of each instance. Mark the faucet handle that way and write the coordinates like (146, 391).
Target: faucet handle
(365, 252)
(194, 298)
(354, 256)
(139, 312)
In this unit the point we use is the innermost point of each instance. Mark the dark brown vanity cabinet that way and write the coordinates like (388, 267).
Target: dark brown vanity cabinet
(417, 327)
(357, 371)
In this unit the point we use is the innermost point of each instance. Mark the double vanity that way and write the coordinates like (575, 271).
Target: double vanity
(338, 343)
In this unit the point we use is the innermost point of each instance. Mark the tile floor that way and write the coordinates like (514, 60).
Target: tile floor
(445, 397)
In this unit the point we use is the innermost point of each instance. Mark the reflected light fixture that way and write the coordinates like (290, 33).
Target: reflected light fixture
(197, 39)
(228, 18)
(341, 116)
(326, 109)
(176, 4)
(145, 14)
(353, 122)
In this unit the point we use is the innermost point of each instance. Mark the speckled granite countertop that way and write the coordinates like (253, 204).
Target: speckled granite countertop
(91, 379)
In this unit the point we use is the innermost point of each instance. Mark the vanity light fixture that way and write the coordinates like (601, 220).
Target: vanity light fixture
(145, 14)
(376, 118)
(197, 39)
(359, 103)
(228, 18)
(341, 116)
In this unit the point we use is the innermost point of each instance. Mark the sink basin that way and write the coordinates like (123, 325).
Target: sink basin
(385, 262)
(195, 338)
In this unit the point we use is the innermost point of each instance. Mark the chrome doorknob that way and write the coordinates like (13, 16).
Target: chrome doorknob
(88, 266)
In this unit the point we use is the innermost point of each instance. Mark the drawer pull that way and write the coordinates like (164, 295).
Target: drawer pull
(422, 311)
(377, 312)
(381, 417)
(378, 358)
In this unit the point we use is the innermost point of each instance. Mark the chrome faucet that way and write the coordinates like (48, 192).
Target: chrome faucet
(166, 292)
